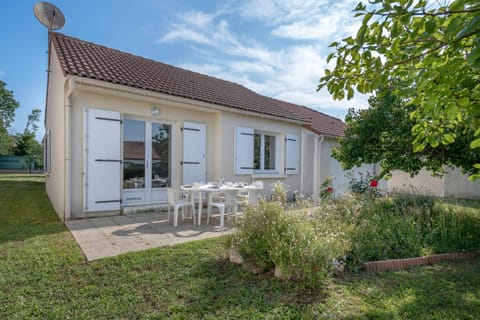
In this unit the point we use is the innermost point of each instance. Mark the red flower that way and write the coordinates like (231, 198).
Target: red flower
(373, 183)
(329, 189)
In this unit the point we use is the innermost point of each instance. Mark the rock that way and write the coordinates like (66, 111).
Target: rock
(234, 256)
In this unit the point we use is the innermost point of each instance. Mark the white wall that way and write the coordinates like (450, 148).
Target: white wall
(457, 185)
(140, 108)
(330, 167)
(422, 183)
(310, 177)
(55, 122)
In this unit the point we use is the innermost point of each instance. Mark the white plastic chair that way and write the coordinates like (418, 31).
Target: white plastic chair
(225, 201)
(254, 195)
(177, 200)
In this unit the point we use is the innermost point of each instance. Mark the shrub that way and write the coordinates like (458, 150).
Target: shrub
(411, 225)
(454, 230)
(364, 187)
(292, 240)
(256, 231)
(381, 233)
(326, 189)
(279, 193)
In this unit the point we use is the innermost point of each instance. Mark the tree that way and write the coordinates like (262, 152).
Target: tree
(26, 144)
(8, 105)
(382, 134)
(431, 51)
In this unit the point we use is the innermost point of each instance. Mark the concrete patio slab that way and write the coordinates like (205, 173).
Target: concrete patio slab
(114, 235)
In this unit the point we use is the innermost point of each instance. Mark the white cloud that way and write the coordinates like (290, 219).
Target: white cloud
(290, 73)
(302, 20)
(187, 34)
(197, 18)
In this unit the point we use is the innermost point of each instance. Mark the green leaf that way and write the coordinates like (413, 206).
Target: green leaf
(419, 147)
(448, 138)
(471, 27)
(474, 177)
(361, 34)
(367, 17)
(430, 26)
(350, 93)
(464, 101)
(475, 143)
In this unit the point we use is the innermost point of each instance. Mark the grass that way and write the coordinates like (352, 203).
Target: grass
(43, 275)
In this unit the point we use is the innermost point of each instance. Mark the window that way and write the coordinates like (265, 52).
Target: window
(264, 151)
(160, 155)
(47, 152)
(259, 152)
(133, 154)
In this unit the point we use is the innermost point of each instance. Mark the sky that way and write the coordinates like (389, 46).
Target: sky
(277, 48)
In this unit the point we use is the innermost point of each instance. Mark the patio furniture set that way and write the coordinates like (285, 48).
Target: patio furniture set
(225, 197)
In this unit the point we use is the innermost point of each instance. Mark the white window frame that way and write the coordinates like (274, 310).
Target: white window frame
(262, 152)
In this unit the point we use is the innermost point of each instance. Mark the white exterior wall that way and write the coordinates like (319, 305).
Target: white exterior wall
(452, 184)
(422, 183)
(310, 175)
(136, 107)
(55, 122)
(457, 185)
(330, 167)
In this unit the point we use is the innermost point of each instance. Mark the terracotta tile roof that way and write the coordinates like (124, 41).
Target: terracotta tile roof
(89, 60)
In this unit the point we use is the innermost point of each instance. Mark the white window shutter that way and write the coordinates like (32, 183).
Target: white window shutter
(103, 160)
(194, 152)
(292, 154)
(243, 150)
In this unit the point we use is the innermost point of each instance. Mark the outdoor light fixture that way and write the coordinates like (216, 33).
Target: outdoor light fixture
(155, 111)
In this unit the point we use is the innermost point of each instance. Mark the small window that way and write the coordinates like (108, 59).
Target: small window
(47, 151)
(264, 152)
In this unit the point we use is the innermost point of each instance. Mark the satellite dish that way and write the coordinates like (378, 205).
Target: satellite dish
(49, 15)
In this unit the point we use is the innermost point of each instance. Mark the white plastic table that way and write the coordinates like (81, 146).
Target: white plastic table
(210, 190)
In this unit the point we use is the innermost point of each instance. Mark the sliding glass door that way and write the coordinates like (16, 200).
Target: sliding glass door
(146, 161)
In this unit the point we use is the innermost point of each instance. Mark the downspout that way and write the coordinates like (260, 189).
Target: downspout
(302, 167)
(68, 164)
(317, 151)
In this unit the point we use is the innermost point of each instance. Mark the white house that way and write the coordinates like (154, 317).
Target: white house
(121, 128)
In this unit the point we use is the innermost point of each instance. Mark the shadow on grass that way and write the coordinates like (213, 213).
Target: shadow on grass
(464, 203)
(228, 290)
(25, 211)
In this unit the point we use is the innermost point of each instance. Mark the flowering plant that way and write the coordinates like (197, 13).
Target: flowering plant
(364, 186)
(326, 189)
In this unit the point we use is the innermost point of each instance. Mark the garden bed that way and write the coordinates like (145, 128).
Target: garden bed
(358, 232)
(400, 264)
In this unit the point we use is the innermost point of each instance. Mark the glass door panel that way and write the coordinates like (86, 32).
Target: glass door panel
(133, 154)
(161, 139)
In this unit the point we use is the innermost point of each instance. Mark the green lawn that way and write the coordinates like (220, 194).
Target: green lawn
(43, 274)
